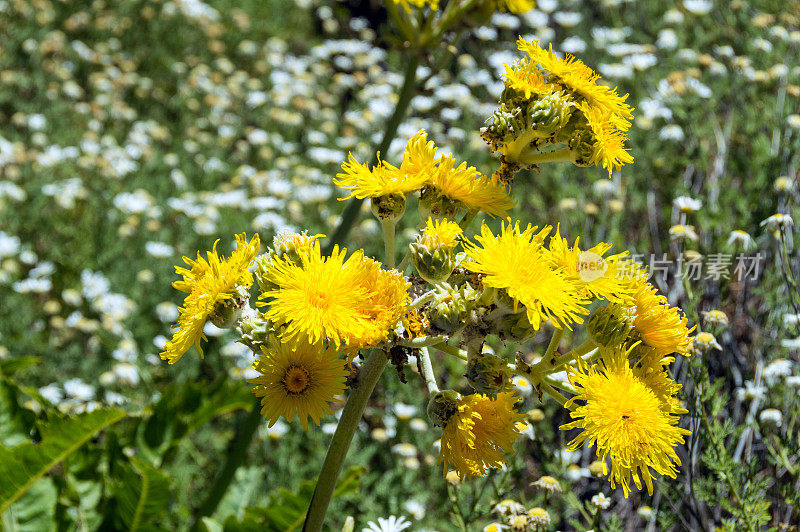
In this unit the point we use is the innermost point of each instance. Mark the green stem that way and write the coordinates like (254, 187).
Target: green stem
(467, 219)
(350, 214)
(555, 340)
(552, 392)
(388, 241)
(403, 24)
(451, 350)
(368, 377)
(576, 353)
(452, 13)
(564, 154)
(424, 341)
(235, 455)
(427, 371)
(515, 149)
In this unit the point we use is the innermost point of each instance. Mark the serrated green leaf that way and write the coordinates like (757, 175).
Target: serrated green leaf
(141, 496)
(34, 511)
(22, 465)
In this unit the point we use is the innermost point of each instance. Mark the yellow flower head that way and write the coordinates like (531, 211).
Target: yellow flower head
(579, 79)
(476, 437)
(382, 180)
(352, 302)
(658, 325)
(419, 158)
(650, 369)
(516, 261)
(209, 283)
(467, 188)
(625, 419)
(599, 276)
(608, 141)
(439, 234)
(297, 379)
(527, 80)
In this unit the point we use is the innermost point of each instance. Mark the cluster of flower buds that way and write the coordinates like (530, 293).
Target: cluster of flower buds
(553, 109)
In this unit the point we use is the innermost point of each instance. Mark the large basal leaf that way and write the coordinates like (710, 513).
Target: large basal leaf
(22, 465)
(141, 496)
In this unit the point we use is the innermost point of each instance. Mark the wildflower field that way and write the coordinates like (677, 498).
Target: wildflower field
(385, 265)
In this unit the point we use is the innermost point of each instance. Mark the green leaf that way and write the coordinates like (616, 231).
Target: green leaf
(15, 422)
(286, 510)
(141, 496)
(13, 365)
(34, 511)
(22, 465)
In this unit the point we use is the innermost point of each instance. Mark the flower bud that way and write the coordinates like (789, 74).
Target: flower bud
(433, 253)
(442, 406)
(550, 114)
(610, 325)
(451, 308)
(255, 331)
(228, 311)
(488, 374)
(390, 207)
(286, 245)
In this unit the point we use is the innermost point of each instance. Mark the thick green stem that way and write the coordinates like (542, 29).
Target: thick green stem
(235, 455)
(388, 241)
(368, 377)
(350, 214)
(564, 154)
(427, 371)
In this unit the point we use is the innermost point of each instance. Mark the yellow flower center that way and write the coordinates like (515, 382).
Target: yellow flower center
(296, 380)
(319, 299)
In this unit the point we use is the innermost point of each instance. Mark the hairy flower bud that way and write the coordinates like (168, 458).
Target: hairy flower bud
(433, 252)
(228, 311)
(255, 331)
(488, 374)
(442, 406)
(550, 114)
(610, 325)
(451, 307)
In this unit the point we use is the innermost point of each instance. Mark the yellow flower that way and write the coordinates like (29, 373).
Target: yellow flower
(466, 188)
(517, 6)
(516, 261)
(650, 369)
(297, 379)
(407, 4)
(625, 419)
(656, 323)
(608, 141)
(599, 276)
(440, 234)
(209, 283)
(581, 80)
(352, 302)
(476, 437)
(529, 81)
(382, 180)
(419, 158)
